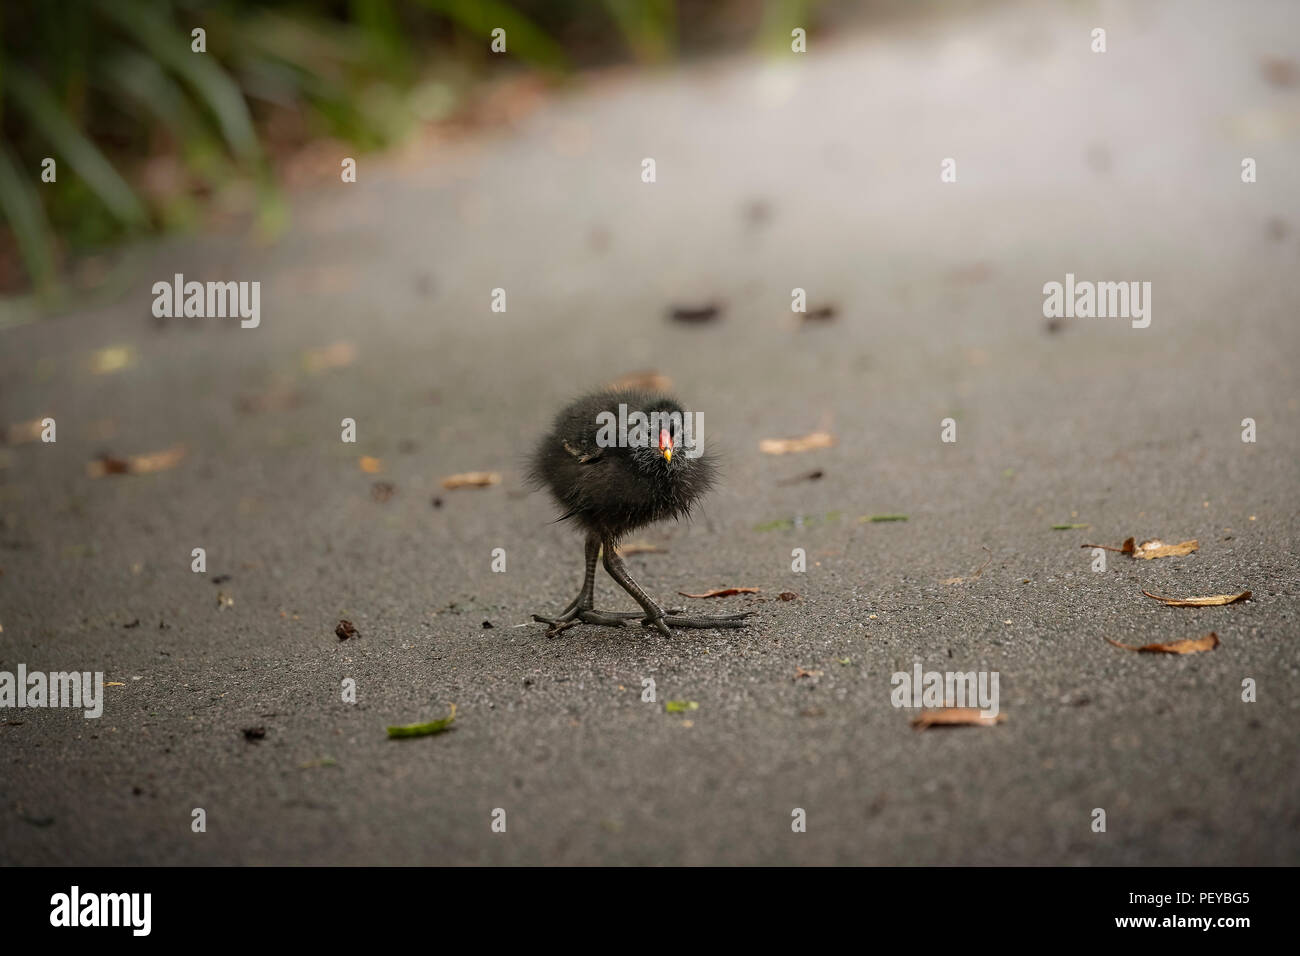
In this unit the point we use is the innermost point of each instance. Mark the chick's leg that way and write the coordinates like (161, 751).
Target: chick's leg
(655, 615)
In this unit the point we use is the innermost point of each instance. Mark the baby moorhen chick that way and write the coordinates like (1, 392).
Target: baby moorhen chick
(611, 486)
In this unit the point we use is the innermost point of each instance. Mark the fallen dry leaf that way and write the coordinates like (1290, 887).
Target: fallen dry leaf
(338, 355)
(803, 672)
(1191, 645)
(1279, 71)
(787, 446)
(1125, 548)
(1158, 549)
(721, 592)
(648, 379)
(1215, 600)
(971, 273)
(1150, 549)
(472, 479)
(345, 630)
(788, 595)
(136, 464)
(371, 466)
(954, 717)
(22, 432)
(107, 361)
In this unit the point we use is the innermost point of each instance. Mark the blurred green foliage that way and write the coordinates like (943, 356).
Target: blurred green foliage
(146, 132)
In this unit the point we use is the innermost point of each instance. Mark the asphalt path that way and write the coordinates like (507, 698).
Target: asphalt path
(820, 172)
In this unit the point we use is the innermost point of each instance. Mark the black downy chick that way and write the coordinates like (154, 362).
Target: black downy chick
(612, 488)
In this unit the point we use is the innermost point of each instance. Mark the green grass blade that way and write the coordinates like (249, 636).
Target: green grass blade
(524, 39)
(199, 70)
(22, 208)
(46, 114)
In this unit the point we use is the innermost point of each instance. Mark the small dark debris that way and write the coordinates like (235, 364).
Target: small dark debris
(221, 579)
(1280, 72)
(788, 596)
(1054, 325)
(695, 314)
(381, 491)
(112, 465)
(38, 821)
(276, 400)
(135, 623)
(407, 446)
(823, 313)
(815, 475)
(254, 733)
(487, 625)
(437, 502)
(345, 630)
(757, 212)
(163, 626)
(136, 791)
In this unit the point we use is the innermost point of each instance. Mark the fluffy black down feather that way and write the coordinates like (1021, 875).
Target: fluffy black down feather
(617, 489)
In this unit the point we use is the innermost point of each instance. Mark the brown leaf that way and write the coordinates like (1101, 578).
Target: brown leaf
(345, 630)
(1188, 646)
(1158, 549)
(1212, 601)
(1279, 71)
(472, 479)
(971, 273)
(1151, 549)
(787, 446)
(954, 717)
(788, 596)
(721, 592)
(22, 432)
(801, 672)
(338, 355)
(136, 464)
(1125, 548)
(647, 379)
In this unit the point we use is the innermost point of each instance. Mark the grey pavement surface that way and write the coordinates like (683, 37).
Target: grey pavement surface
(1115, 166)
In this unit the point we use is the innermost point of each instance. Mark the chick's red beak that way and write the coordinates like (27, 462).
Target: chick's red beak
(666, 444)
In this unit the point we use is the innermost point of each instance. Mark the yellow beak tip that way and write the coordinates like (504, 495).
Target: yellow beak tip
(668, 454)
